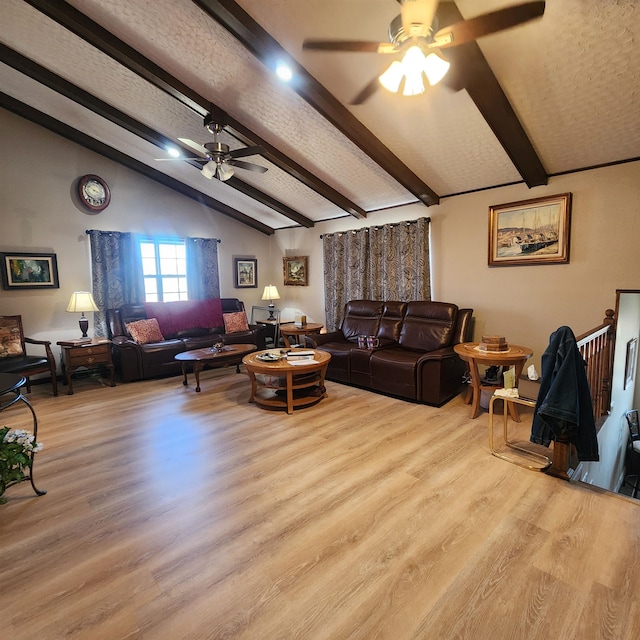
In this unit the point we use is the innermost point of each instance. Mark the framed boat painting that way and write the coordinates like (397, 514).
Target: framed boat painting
(530, 232)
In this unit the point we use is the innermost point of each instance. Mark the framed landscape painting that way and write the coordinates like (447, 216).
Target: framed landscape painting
(295, 271)
(530, 232)
(245, 273)
(29, 271)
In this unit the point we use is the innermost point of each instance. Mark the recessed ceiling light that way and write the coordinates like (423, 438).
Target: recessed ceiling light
(284, 72)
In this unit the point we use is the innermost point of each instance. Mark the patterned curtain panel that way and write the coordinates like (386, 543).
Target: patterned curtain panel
(390, 262)
(116, 273)
(203, 276)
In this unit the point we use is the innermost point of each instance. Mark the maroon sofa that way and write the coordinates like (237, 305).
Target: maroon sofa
(415, 359)
(197, 327)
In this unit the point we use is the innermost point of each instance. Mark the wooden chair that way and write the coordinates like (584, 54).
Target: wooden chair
(13, 353)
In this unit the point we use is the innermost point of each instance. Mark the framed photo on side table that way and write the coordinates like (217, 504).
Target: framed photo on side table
(245, 273)
(29, 271)
(295, 271)
(530, 232)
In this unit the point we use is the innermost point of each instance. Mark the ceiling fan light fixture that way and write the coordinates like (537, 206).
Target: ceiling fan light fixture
(435, 68)
(209, 169)
(413, 64)
(224, 172)
(392, 77)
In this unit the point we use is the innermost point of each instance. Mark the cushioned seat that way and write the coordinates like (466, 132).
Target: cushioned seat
(14, 357)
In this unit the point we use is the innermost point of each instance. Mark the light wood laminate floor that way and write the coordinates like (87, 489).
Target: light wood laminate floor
(172, 515)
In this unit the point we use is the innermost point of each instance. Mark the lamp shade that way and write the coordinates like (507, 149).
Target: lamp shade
(81, 301)
(270, 293)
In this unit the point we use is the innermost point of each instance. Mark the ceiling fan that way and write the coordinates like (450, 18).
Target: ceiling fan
(415, 34)
(218, 160)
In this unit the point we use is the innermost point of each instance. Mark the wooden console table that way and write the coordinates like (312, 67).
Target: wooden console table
(469, 352)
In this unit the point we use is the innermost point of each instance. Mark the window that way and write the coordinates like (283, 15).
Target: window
(164, 266)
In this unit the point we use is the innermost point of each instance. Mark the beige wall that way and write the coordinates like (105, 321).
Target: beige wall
(38, 212)
(525, 304)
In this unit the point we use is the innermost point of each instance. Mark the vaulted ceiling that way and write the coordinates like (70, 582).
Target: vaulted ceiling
(127, 78)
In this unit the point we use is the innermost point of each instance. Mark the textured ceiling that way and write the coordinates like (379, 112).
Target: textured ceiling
(570, 79)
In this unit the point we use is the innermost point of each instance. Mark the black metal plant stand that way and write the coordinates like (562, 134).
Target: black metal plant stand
(12, 384)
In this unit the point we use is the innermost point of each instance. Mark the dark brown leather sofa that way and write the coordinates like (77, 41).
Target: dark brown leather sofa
(415, 359)
(135, 361)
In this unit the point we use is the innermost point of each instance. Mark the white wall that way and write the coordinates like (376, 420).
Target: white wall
(38, 212)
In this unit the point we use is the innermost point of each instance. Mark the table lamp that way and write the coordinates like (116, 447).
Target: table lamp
(270, 293)
(82, 301)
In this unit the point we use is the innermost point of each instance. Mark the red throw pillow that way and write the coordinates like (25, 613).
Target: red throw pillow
(235, 322)
(145, 331)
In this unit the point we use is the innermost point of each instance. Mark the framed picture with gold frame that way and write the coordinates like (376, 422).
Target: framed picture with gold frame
(295, 271)
(530, 232)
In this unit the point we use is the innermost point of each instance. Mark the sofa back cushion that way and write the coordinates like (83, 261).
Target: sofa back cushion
(391, 321)
(361, 318)
(428, 326)
(174, 317)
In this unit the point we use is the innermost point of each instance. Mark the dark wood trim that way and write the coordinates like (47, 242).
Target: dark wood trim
(474, 74)
(71, 91)
(252, 36)
(90, 31)
(25, 111)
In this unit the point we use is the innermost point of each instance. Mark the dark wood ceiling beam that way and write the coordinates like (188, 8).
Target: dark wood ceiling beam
(34, 115)
(475, 75)
(44, 76)
(90, 31)
(252, 36)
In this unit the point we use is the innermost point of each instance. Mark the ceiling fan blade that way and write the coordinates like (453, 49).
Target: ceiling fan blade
(468, 30)
(177, 159)
(367, 92)
(349, 45)
(247, 151)
(417, 12)
(194, 145)
(247, 165)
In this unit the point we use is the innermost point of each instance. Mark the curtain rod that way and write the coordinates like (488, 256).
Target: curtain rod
(88, 231)
(376, 227)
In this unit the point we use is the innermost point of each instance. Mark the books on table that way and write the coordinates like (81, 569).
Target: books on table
(301, 355)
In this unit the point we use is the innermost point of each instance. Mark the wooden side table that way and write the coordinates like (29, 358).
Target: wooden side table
(92, 355)
(469, 352)
(289, 329)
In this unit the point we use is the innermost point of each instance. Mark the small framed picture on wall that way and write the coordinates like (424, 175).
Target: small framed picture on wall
(295, 271)
(245, 273)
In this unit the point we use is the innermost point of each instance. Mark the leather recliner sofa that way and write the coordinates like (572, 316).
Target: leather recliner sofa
(415, 359)
(136, 361)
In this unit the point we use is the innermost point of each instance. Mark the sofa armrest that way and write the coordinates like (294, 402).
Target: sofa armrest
(316, 339)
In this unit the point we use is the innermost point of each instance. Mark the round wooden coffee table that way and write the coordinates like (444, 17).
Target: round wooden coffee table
(212, 357)
(285, 384)
(289, 330)
(473, 356)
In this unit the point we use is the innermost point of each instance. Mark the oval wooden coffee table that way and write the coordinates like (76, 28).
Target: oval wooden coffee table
(212, 357)
(287, 385)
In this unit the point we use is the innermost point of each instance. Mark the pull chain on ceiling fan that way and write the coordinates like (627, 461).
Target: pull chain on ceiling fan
(415, 34)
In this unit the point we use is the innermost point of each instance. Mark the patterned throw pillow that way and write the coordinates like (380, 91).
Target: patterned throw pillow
(10, 342)
(145, 331)
(235, 322)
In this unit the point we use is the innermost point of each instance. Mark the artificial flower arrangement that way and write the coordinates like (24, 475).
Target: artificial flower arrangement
(17, 448)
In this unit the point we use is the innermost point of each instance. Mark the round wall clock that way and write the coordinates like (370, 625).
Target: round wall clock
(94, 192)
